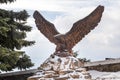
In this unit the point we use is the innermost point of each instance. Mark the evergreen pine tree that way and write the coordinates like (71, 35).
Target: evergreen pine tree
(24, 62)
(13, 30)
(6, 1)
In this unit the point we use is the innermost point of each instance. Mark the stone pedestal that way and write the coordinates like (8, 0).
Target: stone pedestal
(61, 68)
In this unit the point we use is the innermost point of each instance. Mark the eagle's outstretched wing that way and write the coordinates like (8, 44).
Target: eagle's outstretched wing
(45, 27)
(83, 27)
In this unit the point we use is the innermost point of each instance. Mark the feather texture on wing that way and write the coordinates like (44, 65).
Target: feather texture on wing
(45, 27)
(83, 27)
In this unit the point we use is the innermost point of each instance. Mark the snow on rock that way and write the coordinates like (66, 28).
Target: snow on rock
(61, 63)
(61, 68)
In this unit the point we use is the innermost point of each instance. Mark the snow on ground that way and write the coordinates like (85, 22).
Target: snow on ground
(96, 75)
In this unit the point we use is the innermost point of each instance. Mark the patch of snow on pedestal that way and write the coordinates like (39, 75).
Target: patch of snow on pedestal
(61, 68)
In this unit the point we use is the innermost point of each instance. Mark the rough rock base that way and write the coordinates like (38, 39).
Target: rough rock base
(61, 68)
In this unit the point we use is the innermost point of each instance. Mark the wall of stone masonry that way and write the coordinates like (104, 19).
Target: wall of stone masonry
(106, 68)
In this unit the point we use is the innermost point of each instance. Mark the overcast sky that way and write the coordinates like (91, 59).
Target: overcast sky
(103, 42)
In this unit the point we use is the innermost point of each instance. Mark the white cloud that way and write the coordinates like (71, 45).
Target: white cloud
(44, 5)
(30, 21)
(55, 5)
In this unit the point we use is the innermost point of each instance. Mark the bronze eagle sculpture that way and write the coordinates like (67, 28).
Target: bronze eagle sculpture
(65, 42)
